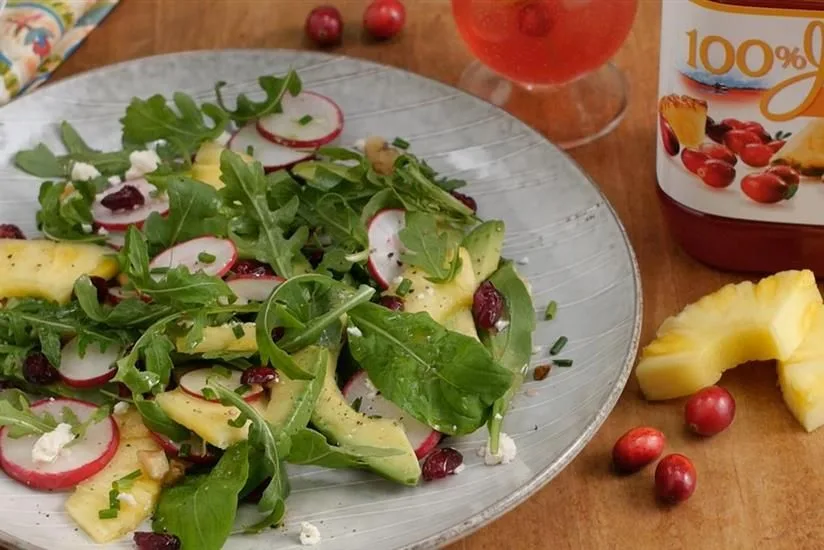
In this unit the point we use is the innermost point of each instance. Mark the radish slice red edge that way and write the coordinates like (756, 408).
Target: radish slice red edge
(385, 246)
(306, 120)
(252, 288)
(196, 448)
(84, 458)
(422, 438)
(271, 155)
(120, 220)
(189, 254)
(95, 368)
(194, 381)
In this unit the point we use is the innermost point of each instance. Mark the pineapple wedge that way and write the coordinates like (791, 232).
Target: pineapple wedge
(92, 495)
(736, 324)
(47, 269)
(801, 377)
(222, 338)
(206, 167)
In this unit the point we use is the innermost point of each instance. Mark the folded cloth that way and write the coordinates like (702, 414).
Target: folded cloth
(37, 35)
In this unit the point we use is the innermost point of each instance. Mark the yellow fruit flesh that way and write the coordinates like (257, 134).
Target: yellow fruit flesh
(206, 167)
(801, 377)
(92, 495)
(737, 324)
(222, 338)
(46, 269)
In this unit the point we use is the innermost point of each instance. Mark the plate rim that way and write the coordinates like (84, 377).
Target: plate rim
(501, 507)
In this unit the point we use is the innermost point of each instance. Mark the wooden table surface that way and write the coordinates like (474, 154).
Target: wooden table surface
(757, 486)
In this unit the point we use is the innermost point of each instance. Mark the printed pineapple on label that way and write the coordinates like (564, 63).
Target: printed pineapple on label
(738, 323)
(801, 377)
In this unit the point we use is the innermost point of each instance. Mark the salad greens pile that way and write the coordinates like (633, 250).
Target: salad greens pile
(309, 225)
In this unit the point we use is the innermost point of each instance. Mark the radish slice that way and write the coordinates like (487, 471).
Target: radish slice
(422, 437)
(120, 220)
(271, 155)
(198, 451)
(117, 294)
(96, 367)
(250, 288)
(306, 120)
(116, 239)
(385, 247)
(188, 254)
(82, 459)
(194, 381)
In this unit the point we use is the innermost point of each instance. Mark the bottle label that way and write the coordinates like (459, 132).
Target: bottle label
(741, 111)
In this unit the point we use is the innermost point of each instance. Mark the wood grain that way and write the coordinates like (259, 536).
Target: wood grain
(757, 486)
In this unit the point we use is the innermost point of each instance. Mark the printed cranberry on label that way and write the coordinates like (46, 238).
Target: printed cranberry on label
(757, 155)
(11, 231)
(718, 152)
(757, 129)
(710, 411)
(668, 137)
(767, 188)
(716, 130)
(693, 159)
(717, 173)
(441, 463)
(776, 145)
(637, 448)
(487, 306)
(126, 198)
(675, 478)
(732, 123)
(736, 140)
(787, 173)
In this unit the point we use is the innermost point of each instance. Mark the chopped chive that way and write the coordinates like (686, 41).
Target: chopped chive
(238, 422)
(305, 119)
(404, 288)
(562, 362)
(110, 513)
(237, 330)
(558, 345)
(400, 143)
(125, 483)
(185, 450)
(209, 394)
(240, 390)
(250, 151)
(223, 372)
(356, 404)
(206, 258)
(551, 310)
(159, 270)
(113, 502)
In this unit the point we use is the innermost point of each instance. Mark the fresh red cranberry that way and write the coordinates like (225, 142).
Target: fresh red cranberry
(487, 305)
(102, 286)
(126, 198)
(38, 370)
(259, 375)
(441, 463)
(392, 302)
(11, 231)
(252, 267)
(156, 541)
(324, 25)
(384, 18)
(467, 201)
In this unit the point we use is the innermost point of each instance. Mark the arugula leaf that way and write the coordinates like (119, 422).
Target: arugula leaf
(41, 162)
(335, 215)
(325, 176)
(262, 436)
(21, 421)
(158, 421)
(247, 184)
(153, 119)
(310, 448)
(50, 345)
(65, 211)
(201, 510)
(274, 88)
(444, 379)
(79, 427)
(149, 347)
(418, 192)
(511, 347)
(428, 247)
(126, 313)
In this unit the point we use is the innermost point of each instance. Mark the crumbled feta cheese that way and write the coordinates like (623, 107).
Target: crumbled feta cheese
(459, 469)
(121, 408)
(49, 445)
(223, 139)
(536, 349)
(506, 451)
(524, 261)
(102, 231)
(360, 144)
(500, 325)
(82, 171)
(398, 280)
(499, 416)
(309, 534)
(354, 331)
(115, 180)
(128, 498)
(87, 228)
(143, 162)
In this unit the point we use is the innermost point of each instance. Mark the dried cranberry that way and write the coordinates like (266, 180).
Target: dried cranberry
(441, 463)
(126, 198)
(313, 255)
(259, 375)
(251, 268)
(277, 333)
(467, 201)
(123, 390)
(11, 231)
(256, 494)
(487, 305)
(102, 286)
(38, 370)
(156, 541)
(392, 302)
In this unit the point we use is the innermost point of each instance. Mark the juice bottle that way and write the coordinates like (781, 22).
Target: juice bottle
(740, 143)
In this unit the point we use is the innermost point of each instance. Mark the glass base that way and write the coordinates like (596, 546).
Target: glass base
(569, 115)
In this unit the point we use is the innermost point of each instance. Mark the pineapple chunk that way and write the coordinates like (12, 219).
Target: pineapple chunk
(462, 322)
(222, 338)
(736, 324)
(92, 495)
(206, 167)
(207, 419)
(801, 377)
(47, 269)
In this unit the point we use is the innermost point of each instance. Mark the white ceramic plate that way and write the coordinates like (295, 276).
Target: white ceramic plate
(559, 226)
